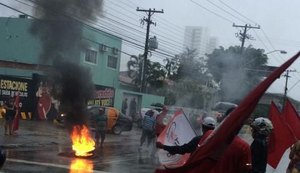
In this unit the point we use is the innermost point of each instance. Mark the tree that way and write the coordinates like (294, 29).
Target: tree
(134, 66)
(155, 73)
(188, 72)
(171, 67)
(236, 73)
(191, 66)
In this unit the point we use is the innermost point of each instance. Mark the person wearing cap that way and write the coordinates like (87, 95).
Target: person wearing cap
(233, 157)
(208, 124)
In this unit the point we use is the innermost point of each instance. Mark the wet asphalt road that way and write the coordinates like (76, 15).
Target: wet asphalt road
(40, 146)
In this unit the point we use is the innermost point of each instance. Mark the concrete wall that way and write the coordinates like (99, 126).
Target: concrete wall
(144, 100)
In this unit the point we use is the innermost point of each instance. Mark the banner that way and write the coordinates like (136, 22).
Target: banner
(13, 86)
(103, 96)
(176, 133)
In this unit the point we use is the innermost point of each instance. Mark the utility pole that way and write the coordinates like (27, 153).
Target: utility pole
(149, 13)
(285, 87)
(243, 36)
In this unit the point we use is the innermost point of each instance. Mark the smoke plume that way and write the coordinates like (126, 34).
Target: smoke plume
(59, 28)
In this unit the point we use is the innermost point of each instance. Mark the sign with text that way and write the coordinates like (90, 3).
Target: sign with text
(103, 96)
(11, 86)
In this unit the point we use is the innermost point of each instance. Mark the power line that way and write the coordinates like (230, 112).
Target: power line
(238, 12)
(222, 17)
(226, 11)
(88, 25)
(170, 30)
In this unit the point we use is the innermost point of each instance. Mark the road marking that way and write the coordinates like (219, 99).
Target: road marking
(47, 164)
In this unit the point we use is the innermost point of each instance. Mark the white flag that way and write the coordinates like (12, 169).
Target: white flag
(176, 133)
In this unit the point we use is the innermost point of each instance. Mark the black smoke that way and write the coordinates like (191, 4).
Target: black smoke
(59, 28)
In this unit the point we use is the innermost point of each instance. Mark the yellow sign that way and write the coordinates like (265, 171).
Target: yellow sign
(14, 85)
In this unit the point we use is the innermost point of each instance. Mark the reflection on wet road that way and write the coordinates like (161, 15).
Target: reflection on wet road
(119, 154)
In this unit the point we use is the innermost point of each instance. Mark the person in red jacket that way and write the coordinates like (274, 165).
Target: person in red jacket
(233, 157)
(236, 158)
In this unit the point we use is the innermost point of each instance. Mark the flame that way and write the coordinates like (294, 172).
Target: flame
(81, 166)
(82, 141)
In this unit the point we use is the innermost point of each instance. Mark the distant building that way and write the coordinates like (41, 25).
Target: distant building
(197, 37)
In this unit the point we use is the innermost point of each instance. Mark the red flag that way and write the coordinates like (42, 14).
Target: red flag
(201, 160)
(281, 138)
(292, 118)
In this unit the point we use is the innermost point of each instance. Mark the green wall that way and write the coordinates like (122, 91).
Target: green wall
(102, 74)
(145, 99)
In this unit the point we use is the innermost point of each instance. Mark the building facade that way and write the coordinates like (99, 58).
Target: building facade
(20, 66)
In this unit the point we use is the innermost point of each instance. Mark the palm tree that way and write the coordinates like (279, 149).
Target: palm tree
(134, 66)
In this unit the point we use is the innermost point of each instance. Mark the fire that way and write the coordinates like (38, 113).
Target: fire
(82, 141)
(81, 166)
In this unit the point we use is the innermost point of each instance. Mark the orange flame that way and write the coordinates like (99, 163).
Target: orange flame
(82, 141)
(81, 166)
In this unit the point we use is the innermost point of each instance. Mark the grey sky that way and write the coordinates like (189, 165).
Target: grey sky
(278, 21)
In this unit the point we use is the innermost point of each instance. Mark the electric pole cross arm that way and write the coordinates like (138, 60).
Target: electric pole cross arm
(243, 36)
(149, 13)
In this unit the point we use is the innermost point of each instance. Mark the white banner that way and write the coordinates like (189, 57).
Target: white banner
(176, 133)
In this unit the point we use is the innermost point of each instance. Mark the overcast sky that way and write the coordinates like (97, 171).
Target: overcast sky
(278, 20)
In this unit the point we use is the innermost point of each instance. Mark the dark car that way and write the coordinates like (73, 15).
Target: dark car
(117, 122)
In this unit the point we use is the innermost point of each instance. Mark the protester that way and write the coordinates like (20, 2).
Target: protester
(148, 126)
(261, 129)
(15, 125)
(9, 116)
(159, 120)
(294, 165)
(208, 123)
(236, 158)
(100, 123)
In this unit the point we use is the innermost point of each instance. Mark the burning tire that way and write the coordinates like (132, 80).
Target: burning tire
(117, 129)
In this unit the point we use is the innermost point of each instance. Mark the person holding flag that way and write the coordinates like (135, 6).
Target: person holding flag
(232, 157)
(208, 123)
(213, 147)
(15, 126)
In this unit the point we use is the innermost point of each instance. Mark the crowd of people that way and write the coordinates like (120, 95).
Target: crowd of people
(239, 156)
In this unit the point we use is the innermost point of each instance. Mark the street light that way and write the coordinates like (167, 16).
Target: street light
(280, 51)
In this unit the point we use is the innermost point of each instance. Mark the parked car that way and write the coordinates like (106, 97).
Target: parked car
(117, 122)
